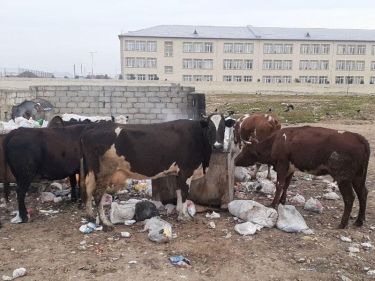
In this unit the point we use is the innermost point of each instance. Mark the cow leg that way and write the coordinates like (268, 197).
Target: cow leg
(257, 166)
(99, 200)
(90, 185)
(21, 194)
(285, 188)
(282, 170)
(73, 184)
(361, 191)
(269, 172)
(182, 195)
(347, 193)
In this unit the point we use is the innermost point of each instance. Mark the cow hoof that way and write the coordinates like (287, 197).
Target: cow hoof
(342, 226)
(91, 219)
(358, 223)
(108, 227)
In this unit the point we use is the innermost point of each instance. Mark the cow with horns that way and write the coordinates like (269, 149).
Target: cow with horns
(318, 151)
(114, 152)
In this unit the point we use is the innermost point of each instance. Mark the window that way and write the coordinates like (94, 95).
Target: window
(130, 77)
(238, 48)
(248, 78)
(266, 79)
(198, 64)
(278, 48)
(249, 48)
(372, 65)
(303, 64)
(372, 80)
(197, 47)
(130, 62)
(350, 64)
(304, 48)
(151, 46)
(314, 64)
(142, 77)
(151, 62)
(207, 77)
(339, 79)
(288, 48)
(187, 63)
(340, 65)
(237, 78)
(153, 77)
(168, 49)
(141, 62)
(187, 47)
(287, 79)
(340, 51)
(267, 48)
(227, 78)
(197, 77)
(358, 80)
(351, 49)
(277, 64)
(324, 48)
(361, 50)
(303, 79)
(208, 64)
(323, 79)
(140, 45)
(349, 79)
(208, 47)
(276, 79)
(287, 64)
(360, 65)
(315, 48)
(168, 69)
(237, 64)
(186, 78)
(313, 79)
(129, 45)
(227, 64)
(324, 64)
(248, 64)
(228, 48)
(373, 50)
(267, 64)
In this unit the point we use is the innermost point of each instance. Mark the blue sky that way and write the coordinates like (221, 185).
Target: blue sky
(54, 36)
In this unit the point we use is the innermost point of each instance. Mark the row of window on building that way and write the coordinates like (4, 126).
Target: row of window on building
(247, 48)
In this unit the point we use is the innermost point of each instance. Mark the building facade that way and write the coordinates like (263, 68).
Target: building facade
(248, 54)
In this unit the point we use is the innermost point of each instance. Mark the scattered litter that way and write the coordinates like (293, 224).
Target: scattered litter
(17, 218)
(331, 196)
(214, 215)
(120, 213)
(267, 186)
(56, 185)
(145, 210)
(290, 220)
(313, 205)
(212, 224)
(309, 238)
(132, 262)
(345, 239)
(308, 177)
(170, 208)
(46, 197)
(191, 208)
(47, 212)
(63, 192)
(180, 261)
(353, 250)
(89, 227)
(241, 174)
(125, 234)
(228, 235)
(298, 200)
(107, 200)
(308, 231)
(57, 199)
(366, 245)
(130, 222)
(246, 228)
(16, 273)
(160, 231)
(371, 272)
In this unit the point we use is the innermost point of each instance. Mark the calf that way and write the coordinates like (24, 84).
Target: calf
(114, 152)
(256, 127)
(41, 153)
(317, 151)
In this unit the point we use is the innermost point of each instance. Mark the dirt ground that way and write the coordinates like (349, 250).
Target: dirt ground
(51, 247)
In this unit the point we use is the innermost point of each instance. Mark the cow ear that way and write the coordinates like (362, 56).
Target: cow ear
(204, 123)
(230, 122)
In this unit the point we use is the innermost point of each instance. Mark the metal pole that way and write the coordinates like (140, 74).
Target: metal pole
(92, 62)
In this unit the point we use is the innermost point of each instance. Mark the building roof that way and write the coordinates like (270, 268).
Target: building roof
(251, 32)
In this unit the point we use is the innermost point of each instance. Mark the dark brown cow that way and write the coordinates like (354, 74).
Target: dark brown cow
(41, 153)
(317, 151)
(256, 127)
(114, 152)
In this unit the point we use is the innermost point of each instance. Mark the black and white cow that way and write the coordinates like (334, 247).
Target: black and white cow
(114, 152)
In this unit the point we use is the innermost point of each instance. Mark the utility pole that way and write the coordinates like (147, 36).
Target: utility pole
(92, 62)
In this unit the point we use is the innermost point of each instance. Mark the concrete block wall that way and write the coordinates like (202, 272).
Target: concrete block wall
(10, 98)
(143, 104)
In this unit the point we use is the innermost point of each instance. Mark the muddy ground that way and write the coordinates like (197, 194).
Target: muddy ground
(51, 247)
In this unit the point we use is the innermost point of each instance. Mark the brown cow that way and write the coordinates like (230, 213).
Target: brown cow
(317, 151)
(257, 127)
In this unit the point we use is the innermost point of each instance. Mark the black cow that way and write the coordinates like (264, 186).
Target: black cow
(114, 152)
(318, 151)
(41, 153)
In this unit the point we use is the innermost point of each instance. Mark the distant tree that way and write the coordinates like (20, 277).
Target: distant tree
(120, 77)
(53, 76)
(106, 77)
(76, 77)
(66, 77)
(88, 77)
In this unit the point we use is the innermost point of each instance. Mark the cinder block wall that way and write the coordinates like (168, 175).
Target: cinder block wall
(143, 104)
(10, 98)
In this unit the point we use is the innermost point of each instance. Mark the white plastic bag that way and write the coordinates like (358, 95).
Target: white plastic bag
(241, 174)
(331, 196)
(121, 213)
(254, 212)
(313, 205)
(267, 186)
(246, 228)
(298, 200)
(290, 220)
(160, 231)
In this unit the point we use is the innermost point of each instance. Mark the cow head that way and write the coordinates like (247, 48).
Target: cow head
(215, 128)
(247, 157)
